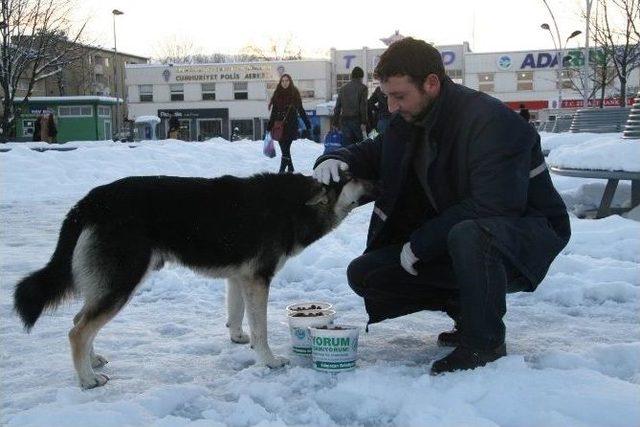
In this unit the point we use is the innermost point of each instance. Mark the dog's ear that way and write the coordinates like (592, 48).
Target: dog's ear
(319, 197)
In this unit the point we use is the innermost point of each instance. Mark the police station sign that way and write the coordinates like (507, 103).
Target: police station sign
(215, 73)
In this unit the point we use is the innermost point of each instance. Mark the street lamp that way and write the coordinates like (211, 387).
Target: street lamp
(116, 12)
(559, 48)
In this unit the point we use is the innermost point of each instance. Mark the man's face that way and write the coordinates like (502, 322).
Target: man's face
(408, 99)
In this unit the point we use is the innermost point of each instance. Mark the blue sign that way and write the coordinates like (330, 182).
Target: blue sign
(543, 60)
(448, 56)
(348, 59)
(504, 62)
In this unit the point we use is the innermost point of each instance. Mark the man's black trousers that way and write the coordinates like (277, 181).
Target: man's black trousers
(469, 283)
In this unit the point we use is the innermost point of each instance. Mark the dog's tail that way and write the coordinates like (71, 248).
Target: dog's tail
(49, 286)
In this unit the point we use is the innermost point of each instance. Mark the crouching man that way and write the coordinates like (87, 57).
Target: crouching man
(467, 211)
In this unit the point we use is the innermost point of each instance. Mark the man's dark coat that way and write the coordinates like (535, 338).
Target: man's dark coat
(489, 167)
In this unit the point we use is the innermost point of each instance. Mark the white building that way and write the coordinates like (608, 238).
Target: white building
(214, 99)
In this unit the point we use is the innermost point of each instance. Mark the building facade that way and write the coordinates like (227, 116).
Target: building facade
(232, 99)
(221, 99)
(77, 118)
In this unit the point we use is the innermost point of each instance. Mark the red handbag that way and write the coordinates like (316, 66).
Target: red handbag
(277, 131)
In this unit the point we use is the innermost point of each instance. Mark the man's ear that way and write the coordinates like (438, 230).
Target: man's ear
(319, 197)
(431, 85)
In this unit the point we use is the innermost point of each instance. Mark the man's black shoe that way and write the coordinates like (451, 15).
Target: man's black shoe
(450, 338)
(464, 357)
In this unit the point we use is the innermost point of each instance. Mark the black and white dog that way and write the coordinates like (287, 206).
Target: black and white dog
(243, 229)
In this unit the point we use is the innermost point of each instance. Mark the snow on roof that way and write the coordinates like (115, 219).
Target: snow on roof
(75, 98)
(147, 119)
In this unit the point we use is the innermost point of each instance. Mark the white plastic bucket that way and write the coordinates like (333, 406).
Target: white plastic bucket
(334, 348)
(299, 323)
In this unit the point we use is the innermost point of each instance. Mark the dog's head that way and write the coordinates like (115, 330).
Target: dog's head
(342, 197)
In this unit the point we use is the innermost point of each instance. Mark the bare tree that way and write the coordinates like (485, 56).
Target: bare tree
(278, 48)
(175, 49)
(618, 33)
(38, 41)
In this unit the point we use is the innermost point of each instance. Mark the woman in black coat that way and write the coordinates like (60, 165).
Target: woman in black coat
(285, 106)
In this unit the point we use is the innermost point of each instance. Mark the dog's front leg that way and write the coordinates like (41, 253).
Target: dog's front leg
(235, 311)
(255, 292)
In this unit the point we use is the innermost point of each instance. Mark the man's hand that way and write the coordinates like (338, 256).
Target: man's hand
(363, 129)
(328, 170)
(408, 259)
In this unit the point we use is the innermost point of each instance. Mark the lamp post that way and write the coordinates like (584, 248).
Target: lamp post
(559, 51)
(585, 66)
(116, 12)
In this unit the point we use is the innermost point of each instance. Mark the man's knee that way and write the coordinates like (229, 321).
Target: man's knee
(464, 235)
(356, 273)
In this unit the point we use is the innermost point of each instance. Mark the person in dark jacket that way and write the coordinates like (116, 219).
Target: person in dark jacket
(44, 128)
(174, 126)
(467, 211)
(350, 112)
(286, 106)
(378, 111)
(524, 113)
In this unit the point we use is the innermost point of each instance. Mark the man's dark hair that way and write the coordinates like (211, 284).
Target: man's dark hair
(410, 57)
(357, 73)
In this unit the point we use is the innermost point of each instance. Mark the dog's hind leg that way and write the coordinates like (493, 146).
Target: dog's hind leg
(107, 267)
(97, 361)
(81, 337)
(255, 292)
(235, 311)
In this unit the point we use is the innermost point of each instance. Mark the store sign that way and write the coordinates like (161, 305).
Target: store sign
(448, 58)
(607, 102)
(572, 58)
(542, 60)
(239, 72)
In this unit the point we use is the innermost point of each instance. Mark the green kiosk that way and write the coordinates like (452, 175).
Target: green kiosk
(77, 118)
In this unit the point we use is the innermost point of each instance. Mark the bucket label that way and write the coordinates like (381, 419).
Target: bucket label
(334, 351)
(335, 365)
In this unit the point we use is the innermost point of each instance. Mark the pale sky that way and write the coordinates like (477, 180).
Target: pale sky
(316, 26)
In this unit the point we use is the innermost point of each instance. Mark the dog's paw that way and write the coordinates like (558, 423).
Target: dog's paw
(98, 361)
(98, 380)
(277, 362)
(240, 338)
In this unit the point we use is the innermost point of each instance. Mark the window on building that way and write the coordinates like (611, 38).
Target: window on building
(28, 127)
(241, 129)
(102, 60)
(177, 92)
(271, 87)
(104, 111)
(454, 74)
(208, 91)
(306, 88)
(240, 90)
(524, 80)
(146, 93)
(75, 111)
(485, 82)
(342, 79)
(566, 79)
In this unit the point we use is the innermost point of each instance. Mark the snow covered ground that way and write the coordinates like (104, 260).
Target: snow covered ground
(574, 344)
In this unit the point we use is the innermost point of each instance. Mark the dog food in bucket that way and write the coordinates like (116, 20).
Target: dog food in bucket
(299, 323)
(313, 305)
(334, 348)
